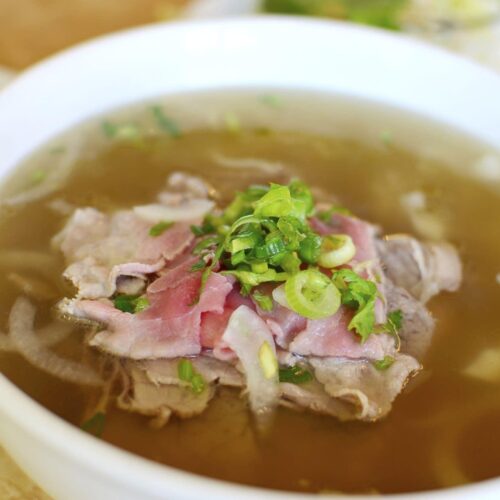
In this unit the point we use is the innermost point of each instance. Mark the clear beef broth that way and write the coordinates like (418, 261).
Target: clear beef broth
(443, 429)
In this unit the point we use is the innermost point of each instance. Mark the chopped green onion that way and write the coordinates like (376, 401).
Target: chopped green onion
(277, 202)
(250, 279)
(310, 248)
(268, 360)
(165, 123)
(187, 373)
(384, 364)
(295, 375)
(160, 228)
(197, 383)
(141, 304)
(95, 424)
(336, 250)
(311, 294)
(259, 267)
(303, 199)
(265, 302)
(185, 370)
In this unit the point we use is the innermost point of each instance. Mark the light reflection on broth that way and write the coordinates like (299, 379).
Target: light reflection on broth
(442, 429)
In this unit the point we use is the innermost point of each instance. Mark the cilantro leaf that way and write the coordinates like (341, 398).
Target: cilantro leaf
(295, 375)
(358, 294)
(131, 303)
(384, 364)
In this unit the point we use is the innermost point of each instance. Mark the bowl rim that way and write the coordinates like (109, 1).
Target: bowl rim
(49, 429)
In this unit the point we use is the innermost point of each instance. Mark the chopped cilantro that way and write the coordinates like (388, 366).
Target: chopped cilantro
(384, 364)
(95, 424)
(165, 123)
(198, 266)
(394, 321)
(358, 294)
(265, 302)
(295, 375)
(131, 303)
(160, 228)
(326, 215)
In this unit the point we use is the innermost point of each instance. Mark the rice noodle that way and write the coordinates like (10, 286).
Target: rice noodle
(27, 343)
(56, 177)
(33, 287)
(49, 335)
(265, 166)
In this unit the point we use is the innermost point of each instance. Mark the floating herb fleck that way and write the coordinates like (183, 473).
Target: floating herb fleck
(95, 424)
(38, 176)
(126, 131)
(165, 123)
(160, 228)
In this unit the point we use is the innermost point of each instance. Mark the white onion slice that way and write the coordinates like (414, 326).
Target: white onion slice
(189, 210)
(27, 343)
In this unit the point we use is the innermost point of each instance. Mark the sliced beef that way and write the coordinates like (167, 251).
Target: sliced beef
(418, 324)
(331, 337)
(100, 248)
(423, 269)
(169, 327)
(154, 388)
(369, 391)
(162, 400)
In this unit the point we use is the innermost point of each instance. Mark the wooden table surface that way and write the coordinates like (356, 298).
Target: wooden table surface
(33, 29)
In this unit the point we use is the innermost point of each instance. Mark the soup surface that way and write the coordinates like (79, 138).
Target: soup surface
(444, 430)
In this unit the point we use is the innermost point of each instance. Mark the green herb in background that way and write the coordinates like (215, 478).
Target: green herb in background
(382, 13)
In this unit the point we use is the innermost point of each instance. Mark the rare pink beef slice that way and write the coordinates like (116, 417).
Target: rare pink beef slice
(330, 337)
(170, 326)
(214, 324)
(100, 248)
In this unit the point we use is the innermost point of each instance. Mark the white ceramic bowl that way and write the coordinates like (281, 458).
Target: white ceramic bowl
(148, 62)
